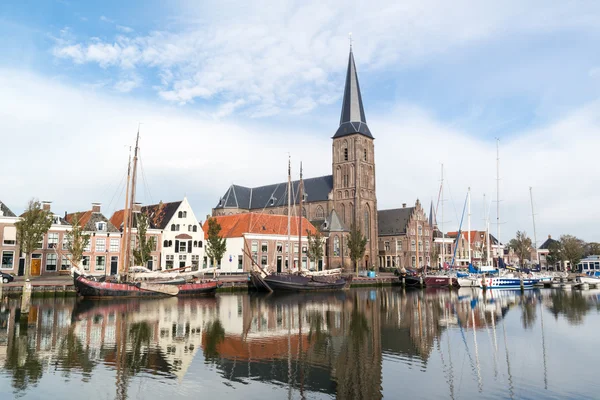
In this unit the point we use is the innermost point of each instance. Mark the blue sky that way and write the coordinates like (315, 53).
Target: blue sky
(444, 78)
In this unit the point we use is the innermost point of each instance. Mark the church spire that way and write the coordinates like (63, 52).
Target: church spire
(353, 118)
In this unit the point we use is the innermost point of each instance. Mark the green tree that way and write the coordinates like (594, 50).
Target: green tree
(521, 245)
(434, 255)
(572, 249)
(592, 248)
(554, 253)
(31, 228)
(315, 247)
(215, 244)
(77, 240)
(357, 243)
(145, 245)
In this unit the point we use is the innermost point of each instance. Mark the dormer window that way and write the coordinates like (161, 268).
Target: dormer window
(304, 196)
(55, 220)
(101, 226)
(272, 201)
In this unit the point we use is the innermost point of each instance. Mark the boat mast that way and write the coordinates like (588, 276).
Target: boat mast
(443, 234)
(469, 222)
(498, 199)
(132, 200)
(487, 232)
(417, 245)
(290, 261)
(300, 195)
(537, 256)
(125, 220)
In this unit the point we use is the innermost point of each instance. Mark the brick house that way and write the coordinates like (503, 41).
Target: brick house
(9, 250)
(399, 231)
(101, 256)
(262, 235)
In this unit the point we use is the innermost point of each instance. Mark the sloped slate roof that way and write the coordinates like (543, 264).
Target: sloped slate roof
(333, 223)
(6, 211)
(265, 224)
(394, 221)
(158, 215)
(547, 243)
(316, 189)
(88, 219)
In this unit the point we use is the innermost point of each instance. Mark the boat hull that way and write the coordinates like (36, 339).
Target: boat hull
(98, 290)
(507, 283)
(298, 283)
(468, 282)
(440, 281)
(411, 281)
(591, 280)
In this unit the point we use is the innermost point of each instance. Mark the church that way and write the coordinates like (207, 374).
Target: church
(333, 203)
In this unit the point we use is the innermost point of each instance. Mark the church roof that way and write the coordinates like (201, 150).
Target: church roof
(353, 118)
(269, 196)
(394, 221)
(432, 220)
(333, 223)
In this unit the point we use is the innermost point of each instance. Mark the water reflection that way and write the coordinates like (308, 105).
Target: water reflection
(360, 344)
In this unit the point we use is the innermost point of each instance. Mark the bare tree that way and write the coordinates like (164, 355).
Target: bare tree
(31, 228)
(77, 241)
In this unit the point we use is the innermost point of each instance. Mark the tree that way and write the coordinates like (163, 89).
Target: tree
(77, 241)
(521, 245)
(592, 248)
(215, 244)
(572, 249)
(315, 246)
(357, 243)
(145, 245)
(31, 228)
(554, 253)
(434, 255)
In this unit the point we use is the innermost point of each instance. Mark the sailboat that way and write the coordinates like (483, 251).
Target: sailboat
(124, 287)
(295, 280)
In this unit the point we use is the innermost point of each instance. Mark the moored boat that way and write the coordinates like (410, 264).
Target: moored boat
(293, 282)
(440, 281)
(506, 283)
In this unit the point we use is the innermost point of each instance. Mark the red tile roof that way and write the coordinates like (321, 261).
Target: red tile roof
(117, 218)
(84, 218)
(264, 224)
(475, 235)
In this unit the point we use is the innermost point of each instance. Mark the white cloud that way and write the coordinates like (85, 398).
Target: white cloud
(128, 83)
(124, 29)
(80, 157)
(265, 52)
(106, 19)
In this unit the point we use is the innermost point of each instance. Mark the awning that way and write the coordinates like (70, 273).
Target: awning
(10, 233)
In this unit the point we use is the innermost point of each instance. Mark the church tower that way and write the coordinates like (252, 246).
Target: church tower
(353, 160)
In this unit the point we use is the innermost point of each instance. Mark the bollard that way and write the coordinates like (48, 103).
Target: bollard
(26, 297)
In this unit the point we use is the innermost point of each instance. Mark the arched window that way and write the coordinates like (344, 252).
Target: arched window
(172, 227)
(319, 213)
(166, 243)
(365, 154)
(345, 150)
(199, 243)
(195, 243)
(343, 212)
(195, 229)
(346, 194)
(351, 207)
(367, 223)
(180, 214)
(338, 176)
(352, 175)
(189, 228)
(420, 229)
(170, 243)
(336, 246)
(177, 227)
(413, 245)
(185, 214)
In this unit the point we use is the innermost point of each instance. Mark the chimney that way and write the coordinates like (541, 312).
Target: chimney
(46, 205)
(96, 207)
(403, 205)
(549, 236)
(137, 207)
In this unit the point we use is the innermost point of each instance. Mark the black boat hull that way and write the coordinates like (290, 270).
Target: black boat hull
(298, 283)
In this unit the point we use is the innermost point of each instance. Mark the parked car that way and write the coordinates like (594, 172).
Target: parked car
(6, 278)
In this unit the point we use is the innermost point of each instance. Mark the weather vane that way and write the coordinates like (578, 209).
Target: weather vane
(350, 39)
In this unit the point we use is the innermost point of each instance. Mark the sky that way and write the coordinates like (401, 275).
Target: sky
(223, 91)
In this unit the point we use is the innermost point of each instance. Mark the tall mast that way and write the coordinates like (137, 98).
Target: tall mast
(289, 193)
(498, 199)
(537, 257)
(487, 231)
(125, 219)
(300, 195)
(443, 234)
(469, 223)
(417, 245)
(132, 201)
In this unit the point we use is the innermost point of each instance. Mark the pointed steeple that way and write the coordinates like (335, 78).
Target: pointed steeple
(353, 118)
(432, 221)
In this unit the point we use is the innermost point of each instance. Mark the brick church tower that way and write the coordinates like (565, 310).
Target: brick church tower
(353, 167)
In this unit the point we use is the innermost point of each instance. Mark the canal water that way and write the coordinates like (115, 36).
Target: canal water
(358, 344)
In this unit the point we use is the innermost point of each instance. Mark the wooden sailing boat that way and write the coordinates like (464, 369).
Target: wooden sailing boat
(123, 287)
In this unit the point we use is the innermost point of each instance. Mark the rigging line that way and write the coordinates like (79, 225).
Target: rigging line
(262, 212)
(146, 186)
(452, 199)
(117, 191)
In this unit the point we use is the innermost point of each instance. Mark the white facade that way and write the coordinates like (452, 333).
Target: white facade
(182, 239)
(230, 263)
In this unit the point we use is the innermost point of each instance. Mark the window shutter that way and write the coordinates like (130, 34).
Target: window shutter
(189, 246)
(176, 246)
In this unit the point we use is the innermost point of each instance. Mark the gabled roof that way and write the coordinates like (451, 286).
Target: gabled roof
(475, 236)
(547, 243)
(333, 223)
(237, 225)
(353, 118)
(394, 221)
(158, 215)
(88, 220)
(6, 212)
(270, 196)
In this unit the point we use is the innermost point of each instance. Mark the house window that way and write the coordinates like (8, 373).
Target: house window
(279, 247)
(398, 245)
(336, 246)
(180, 214)
(426, 232)
(254, 247)
(194, 228)
(240, 262)
(8, 258)
(173, 227)
(263, 261)
(100, 244)
(420, 230)
(182, 257)
(169, 259)
(52, 240)
(413, 245)
(195, 262)
(114, 245)
(10, 236)
(320, 214)
(414, 261)
(264, 247)
(303, 249)
(51, 262)
(182, 246)
(101, 226)
(420, 245)
(85, 261)
(204, 263)
(100, 263)
(386, 246)
(65, 242)
(66, 263)
(189, 228)
(426, 246)
(295, 247)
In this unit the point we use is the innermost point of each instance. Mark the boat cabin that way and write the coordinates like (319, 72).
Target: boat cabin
(589, 265)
